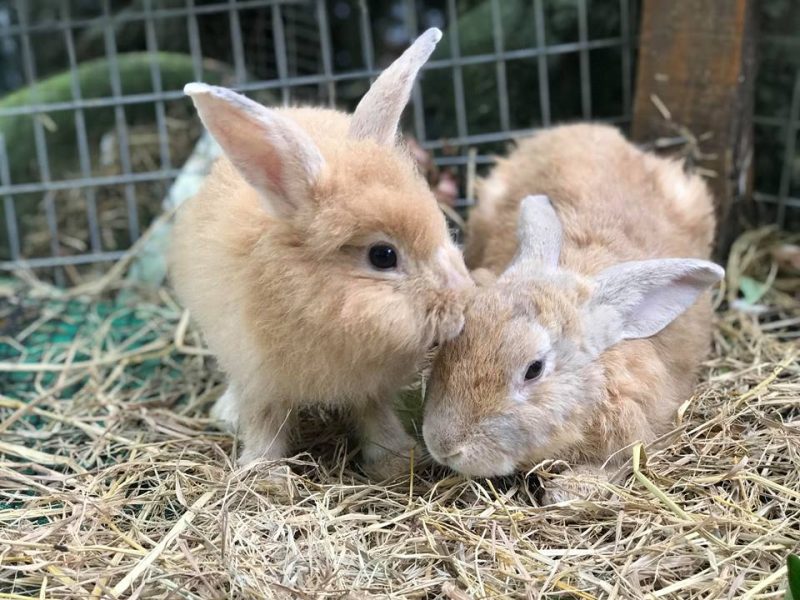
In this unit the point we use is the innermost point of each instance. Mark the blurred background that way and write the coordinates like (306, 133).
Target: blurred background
(94, 127)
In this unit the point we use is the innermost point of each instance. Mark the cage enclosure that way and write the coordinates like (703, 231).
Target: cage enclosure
(114, 481)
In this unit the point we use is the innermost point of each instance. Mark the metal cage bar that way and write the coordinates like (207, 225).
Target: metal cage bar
(458, 76)
(586, 78)
(123, 143)
(195, 48)
(544, 76)
(367, 49)
(281, 57)
(236, 43)
(155, 76)
(789, 153)
(327, 53)
(787, 129)
(84, 157)
(9, 210)
(500, 67)
(410, 15)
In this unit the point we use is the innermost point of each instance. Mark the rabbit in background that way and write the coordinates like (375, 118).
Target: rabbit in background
(317, 263)
(591, 322)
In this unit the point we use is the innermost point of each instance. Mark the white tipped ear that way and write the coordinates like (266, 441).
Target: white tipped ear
(638, 299)
(271, 152)
(539, 234)
(378, 114)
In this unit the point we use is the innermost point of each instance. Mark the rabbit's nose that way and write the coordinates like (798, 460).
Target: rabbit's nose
(444, 449)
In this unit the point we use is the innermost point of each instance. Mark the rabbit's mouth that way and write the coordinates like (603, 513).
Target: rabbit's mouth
(479, 462)
(472, 456)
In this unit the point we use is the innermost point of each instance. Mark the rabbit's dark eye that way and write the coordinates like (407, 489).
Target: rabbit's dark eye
(383, 256)
(535, 370)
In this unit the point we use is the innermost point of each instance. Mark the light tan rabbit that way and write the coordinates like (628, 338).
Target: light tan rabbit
(317, 262)
(589, 331)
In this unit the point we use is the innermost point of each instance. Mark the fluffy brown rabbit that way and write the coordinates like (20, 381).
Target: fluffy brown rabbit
(317, 263)
(589, 330)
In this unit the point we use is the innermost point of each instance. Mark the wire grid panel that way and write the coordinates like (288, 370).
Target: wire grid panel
(100, 127)
(777, 118)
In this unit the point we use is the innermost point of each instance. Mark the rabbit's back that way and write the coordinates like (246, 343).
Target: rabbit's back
(615, 201)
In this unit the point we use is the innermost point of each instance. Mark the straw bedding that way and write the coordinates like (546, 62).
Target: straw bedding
(114, 482)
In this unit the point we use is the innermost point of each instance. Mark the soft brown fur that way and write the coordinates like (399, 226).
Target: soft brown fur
(289, 304)
(615, 203)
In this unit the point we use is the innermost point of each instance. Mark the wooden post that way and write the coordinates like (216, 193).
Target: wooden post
(695, 80)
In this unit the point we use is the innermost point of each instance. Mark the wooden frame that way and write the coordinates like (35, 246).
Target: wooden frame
(694, 91)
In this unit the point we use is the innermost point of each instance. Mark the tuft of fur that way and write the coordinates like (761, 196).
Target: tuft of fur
(271, 260)
(597, 395)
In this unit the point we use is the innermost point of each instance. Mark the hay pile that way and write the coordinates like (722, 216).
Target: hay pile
(114, 483)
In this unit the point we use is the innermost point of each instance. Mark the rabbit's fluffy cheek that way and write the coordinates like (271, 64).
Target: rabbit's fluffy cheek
(381, 318)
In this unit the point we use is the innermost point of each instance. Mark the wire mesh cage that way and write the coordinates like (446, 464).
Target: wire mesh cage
(94, 126)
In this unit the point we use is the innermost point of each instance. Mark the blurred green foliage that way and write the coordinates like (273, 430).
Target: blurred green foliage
(94, 81)
(793, 567)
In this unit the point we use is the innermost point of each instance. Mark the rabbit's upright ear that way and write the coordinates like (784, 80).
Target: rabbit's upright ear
(637, 299)
(271, 152)
(539, 234)
(378, 114)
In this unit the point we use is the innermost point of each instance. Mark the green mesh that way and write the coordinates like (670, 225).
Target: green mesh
(55, 331)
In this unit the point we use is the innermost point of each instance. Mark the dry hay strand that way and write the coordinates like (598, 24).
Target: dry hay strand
(114, 482)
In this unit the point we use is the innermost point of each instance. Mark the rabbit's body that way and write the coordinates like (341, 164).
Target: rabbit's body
(317, 263)
(596, 394)
(256, 294)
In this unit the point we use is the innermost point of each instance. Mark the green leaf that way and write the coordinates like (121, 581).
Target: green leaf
(752, 290)
(793, 566)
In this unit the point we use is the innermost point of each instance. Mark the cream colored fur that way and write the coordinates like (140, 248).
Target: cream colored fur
(615, 204)
(271, 260)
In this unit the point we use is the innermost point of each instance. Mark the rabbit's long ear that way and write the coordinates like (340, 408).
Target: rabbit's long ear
(378, 114)
(637, 299)
(271, 152)
(539, 234)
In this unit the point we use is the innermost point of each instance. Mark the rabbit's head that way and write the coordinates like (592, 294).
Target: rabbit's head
(519, 382)
(349, 250)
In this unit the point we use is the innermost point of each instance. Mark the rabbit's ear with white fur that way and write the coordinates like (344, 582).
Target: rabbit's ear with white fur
(271, 152)
(637, 299)
(539, 234)
(378, 114)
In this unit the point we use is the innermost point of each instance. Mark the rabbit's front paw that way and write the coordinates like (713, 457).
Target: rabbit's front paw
(381, 463)
(225, 411)
(450, 323)
(386, 448)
